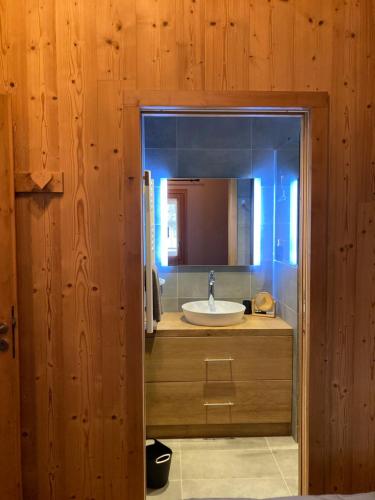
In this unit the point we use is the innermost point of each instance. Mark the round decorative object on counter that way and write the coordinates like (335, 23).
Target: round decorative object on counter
(264, 301)
(264, 304)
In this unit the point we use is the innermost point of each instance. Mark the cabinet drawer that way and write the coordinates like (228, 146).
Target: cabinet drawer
(218, 359)
(188, 403)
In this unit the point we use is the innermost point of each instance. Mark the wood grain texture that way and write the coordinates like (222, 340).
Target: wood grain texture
(364, 343)
(175, 324)
(116, 38)
(190, 33)
(25, 183)
(133, 301)
(317, 297)
(184, 403)
(10, 458)
(217, 430)
(52, 49)
(249, 376)
(224, 98)
(112, 288)
(241, 358)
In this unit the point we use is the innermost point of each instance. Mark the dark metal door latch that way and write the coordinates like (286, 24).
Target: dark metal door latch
(4, 328)
(4, 346)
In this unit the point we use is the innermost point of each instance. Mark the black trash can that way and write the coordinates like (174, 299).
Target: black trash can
(158, 464)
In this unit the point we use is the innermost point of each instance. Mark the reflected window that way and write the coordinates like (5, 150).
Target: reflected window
(176, 226)
(172, 227)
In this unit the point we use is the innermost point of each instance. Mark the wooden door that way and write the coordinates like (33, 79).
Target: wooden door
(10, 469)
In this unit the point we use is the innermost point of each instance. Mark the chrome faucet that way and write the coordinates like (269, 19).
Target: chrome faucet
(211, 288)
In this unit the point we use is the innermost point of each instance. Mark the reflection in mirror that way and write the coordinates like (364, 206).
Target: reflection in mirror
(206, 222)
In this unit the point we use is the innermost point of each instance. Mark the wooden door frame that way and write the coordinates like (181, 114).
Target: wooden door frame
(10, 458)
(314, 106)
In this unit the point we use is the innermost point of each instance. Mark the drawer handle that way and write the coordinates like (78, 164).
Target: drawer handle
(218, 360)
(229, 403)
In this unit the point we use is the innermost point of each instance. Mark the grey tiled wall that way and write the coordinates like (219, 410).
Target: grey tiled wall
(187, 284)
(285, 275)
(240, 147)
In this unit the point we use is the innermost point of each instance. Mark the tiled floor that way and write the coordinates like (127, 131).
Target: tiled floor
(231, 468)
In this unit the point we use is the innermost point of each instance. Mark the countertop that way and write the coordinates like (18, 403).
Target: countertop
(174, 324)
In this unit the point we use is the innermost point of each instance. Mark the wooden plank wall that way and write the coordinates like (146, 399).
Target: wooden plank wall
(71, 280)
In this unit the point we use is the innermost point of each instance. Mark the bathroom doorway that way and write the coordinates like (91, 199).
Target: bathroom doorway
(222, 357)
(312, 110)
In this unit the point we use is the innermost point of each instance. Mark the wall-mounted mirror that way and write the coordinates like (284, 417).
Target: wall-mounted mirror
(206, 222)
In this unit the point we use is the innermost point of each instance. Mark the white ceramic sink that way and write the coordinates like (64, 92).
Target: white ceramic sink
(222, 313)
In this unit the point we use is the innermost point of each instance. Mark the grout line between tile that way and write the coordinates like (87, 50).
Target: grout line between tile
(268, 449)
(293, 477)
(230, 478)
(181, 487)
(257, 450)
(278, 466)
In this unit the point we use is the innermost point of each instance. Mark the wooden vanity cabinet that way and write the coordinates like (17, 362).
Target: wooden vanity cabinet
(222, 382)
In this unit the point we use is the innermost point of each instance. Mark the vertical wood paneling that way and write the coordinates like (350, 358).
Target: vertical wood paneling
(261, 76)
(42, 217)
(346, 152)
(190, 44)
(3, 43)
(14, 67)
(168, 46)
(52, 55)
(133, 301)
(238, 42)
(42, 85)
(32, 75)
(364, 343)
(157, 51)
(10, 459)
(318, 378)
(313, 45)
(82, 336)
(282, 44)
(215, 21)
(116, 40)
(272, 35)
(365, 97)
(41, 346)
(148, 44)
(112, 242)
